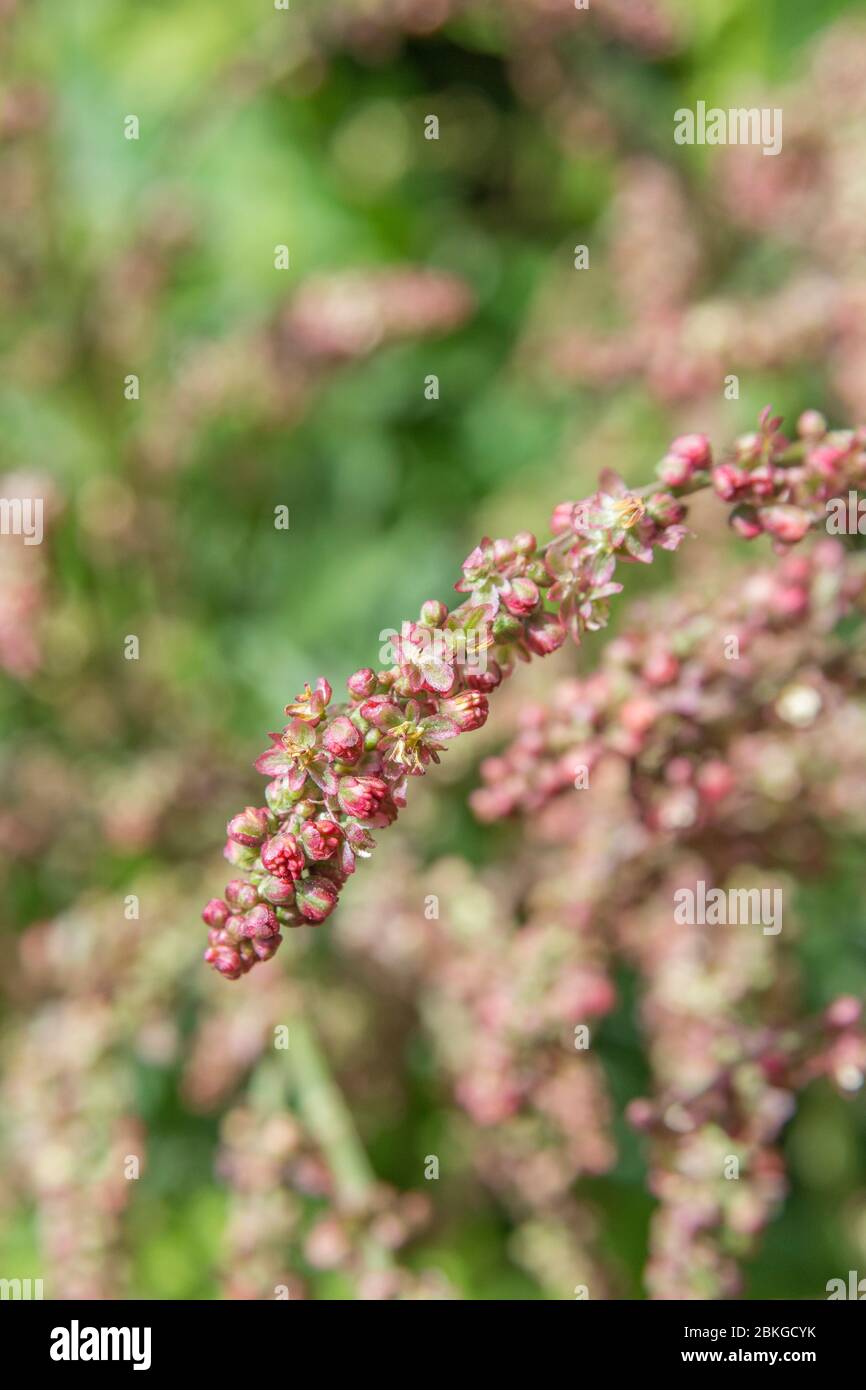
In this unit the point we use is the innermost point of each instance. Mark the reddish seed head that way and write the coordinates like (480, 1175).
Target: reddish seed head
(266, 947)
(826, 460)
(693, 447)
(562, 518)
(674, 470)
(485, 680)
(469, 710)
(762, 481)
(261, 921)
(545, 634)
(380, 711)
(728, 480)
(250, 826)
(316, 898)
(525, 543)
(342, 740)
(242, 856)
(665, 510)
(241, 895)
(278, 891)
(361, 797)
(216, 914)
(320, 838)
(744, 521)
(786, 524)
(811, 425)
(362, 683)
(282, 856)
(520, 597)
(226, 960)
(433, 613)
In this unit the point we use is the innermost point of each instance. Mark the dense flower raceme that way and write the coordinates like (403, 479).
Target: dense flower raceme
(728, 745)
(701, 767)
(676, 701)
(340, 771)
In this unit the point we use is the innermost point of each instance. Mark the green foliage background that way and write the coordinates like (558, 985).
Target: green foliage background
(252, 146)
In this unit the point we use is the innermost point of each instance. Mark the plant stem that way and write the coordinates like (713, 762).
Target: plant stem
(324, 1110)
(322, 1106)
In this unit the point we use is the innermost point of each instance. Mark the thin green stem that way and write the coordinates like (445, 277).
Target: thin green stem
(324, 1110)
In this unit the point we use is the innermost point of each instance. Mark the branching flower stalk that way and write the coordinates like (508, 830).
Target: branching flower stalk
(337, 772)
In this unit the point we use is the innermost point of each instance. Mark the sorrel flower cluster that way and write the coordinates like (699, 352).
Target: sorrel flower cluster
(680, 759)
(339, 771)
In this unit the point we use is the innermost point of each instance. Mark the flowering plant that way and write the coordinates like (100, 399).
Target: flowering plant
(339, 771)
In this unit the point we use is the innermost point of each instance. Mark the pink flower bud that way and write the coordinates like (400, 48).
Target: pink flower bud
(525, 543)
(789, 601)
(381, 711)
(260, 921)
(715, 780)
(226, 960)
(661, 668)
(786, 524)
(361, 797)
(811, 425)
(728, 480)
(762, 481)
(241, 895)
(665, 510)
(844, 1012)
(277, 891)
(343, 741)
(468, 710)
(674, 470)
(320, 838)
(316, 898)
(485, 680)
(827, 460)
(433, 613)
(242, 856)
(266, 947)
(280, 795)
(362, 683)
(283, 857)
(520, 597)
(217, 913)
(250, 826)
(744, 521)
(638, 714)
(562, 518)
(640, 1113)
(327, 1245)
(232, 931)
(693, 447)
(544, 634)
